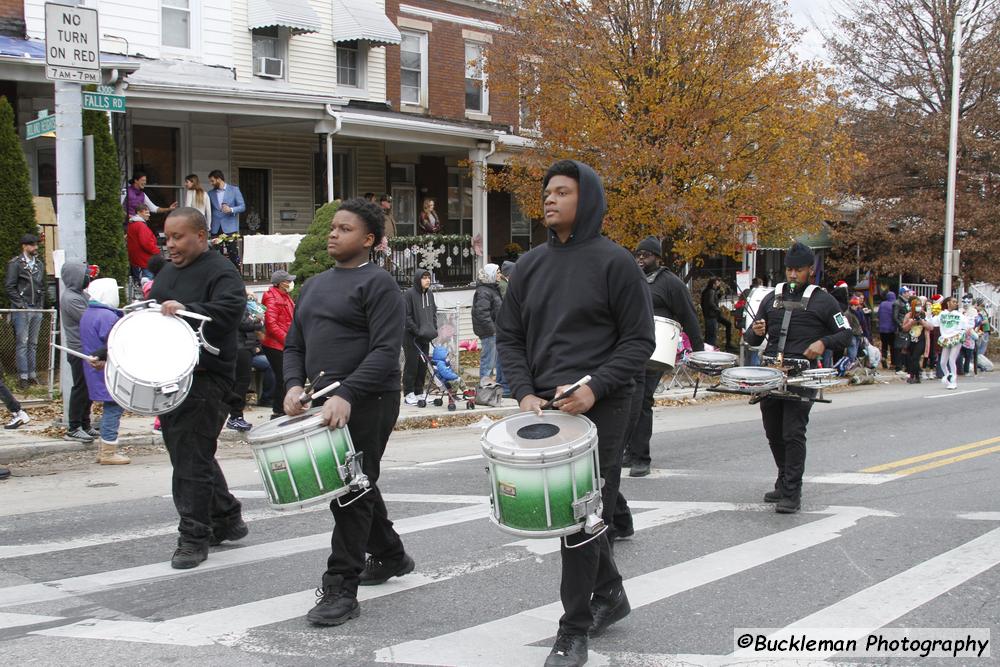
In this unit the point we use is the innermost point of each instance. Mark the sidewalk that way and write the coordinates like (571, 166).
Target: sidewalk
(41, 437)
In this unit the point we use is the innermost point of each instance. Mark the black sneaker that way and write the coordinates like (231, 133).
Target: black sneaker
(335, 605)
(78, 435)
(568, 651)
(639, 470)
(238, 424)
(788, 505)
(772, 496)
(231, 533)
(188, 555)
(91, 431)
(608, 611)
(378, 571)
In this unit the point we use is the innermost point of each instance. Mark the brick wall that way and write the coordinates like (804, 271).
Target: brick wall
(446, 62)
(12, 18)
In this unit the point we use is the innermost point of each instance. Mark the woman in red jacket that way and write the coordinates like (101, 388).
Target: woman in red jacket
(277, 320)
(141, 244)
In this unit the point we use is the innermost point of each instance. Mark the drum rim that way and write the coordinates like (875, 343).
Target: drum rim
(560, 453)
(112, 357)
(261, 436)
(668, 320)
(773, 373)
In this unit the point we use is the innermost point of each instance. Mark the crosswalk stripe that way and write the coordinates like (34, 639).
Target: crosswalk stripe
(103, 581)
(20, 620)
(505, 641)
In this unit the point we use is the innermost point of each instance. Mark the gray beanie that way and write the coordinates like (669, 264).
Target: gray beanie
(799, 255)
(652, 245)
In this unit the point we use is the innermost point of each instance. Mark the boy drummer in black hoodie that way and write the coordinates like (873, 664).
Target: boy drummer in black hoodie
(349, 323)
(577, 306)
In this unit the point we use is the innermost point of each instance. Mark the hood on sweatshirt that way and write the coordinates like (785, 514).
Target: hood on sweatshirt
(507, 268)
(74, 276)
(591, 205)
(105, 292)
(419, 273)
(890, 296)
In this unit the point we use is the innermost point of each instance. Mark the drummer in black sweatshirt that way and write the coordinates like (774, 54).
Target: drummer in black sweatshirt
(348, 323)
(577, 306)
(204, 282)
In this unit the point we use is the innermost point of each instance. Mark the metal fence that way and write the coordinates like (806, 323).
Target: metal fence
(32, 354)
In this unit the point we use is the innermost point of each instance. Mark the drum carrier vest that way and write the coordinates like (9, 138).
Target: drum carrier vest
(786, 318)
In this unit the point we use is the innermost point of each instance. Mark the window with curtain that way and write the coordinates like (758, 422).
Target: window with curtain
(175, 23)
(475, 78)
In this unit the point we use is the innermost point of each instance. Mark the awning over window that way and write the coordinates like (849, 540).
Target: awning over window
(362, 19)
(296, 15)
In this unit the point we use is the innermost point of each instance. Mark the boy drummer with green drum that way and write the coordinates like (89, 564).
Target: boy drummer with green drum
(578, 306)
(348, 324)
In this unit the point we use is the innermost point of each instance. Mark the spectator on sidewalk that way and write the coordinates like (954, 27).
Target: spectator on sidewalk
(249, 326)
(918, 343)
(141, 244)
(18, 416)
(902, 338)
(420, 330)
(503, 282)
(280, 309)
(72, 304)
(712, 314)
(95, 326)
(26, 292)
(485, 309)
(887, 329)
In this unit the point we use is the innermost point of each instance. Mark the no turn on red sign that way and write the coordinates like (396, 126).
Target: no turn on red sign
(72, 44)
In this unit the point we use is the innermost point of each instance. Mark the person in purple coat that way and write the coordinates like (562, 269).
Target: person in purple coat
(95, 326)
(887, 327)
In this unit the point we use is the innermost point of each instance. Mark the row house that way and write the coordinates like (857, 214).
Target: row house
(298, 102)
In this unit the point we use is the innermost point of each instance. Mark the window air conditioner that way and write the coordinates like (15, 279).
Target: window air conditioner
(271, 68)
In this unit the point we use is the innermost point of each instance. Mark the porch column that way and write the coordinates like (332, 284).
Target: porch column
(329, 167)
(477, 156)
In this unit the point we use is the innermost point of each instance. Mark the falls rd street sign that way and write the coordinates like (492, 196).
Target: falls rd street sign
(103, 102)
(41, 125)
(72, 47)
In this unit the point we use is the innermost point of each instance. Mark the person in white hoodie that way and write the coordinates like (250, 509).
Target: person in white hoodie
(951, 325)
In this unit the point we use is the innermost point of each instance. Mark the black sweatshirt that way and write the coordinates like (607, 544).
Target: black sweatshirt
(821, 320)
(348, 323)
(421, 310)
(575, 309)
(672, 299)
(210, 285)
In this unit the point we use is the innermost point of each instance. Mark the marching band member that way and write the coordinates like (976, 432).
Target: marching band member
(800, 322)
(349, 324)
(578, 306)
(206, 283)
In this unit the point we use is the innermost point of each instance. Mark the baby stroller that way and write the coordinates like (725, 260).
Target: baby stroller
(440, 377)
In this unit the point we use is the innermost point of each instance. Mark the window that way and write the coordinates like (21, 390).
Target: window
(520, 226)
(460, 199)
(413, 68)
(527, 120)
(266, 43)
(175, 23)
(351, 64)
(475, 78)
(156, 151)
(344, 172)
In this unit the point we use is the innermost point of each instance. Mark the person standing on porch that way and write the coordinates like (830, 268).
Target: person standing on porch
(195, 196)
(227, 204)
(135, 194)
(430, 223)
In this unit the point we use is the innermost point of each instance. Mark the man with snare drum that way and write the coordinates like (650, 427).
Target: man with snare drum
(800, 321)
(206, 283)
(348, 324)
(578, 306)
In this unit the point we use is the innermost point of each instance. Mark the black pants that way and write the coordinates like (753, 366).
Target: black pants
(275, 358)
(79, 399)
(191, 433)
(641, 416)
(888, 356)
(414, 368)
(966, 363)
(12, 404)
(712, 331)
(238, 398)
(589, 570)
(364, 525)
(913, 357)
(785, 426)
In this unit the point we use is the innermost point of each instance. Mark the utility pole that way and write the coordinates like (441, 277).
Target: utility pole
(949, 211)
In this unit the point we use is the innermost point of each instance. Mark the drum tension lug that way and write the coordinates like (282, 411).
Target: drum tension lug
(351, 472)
(589, 508)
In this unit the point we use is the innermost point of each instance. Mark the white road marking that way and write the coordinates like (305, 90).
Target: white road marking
(861, 478)
(21, 620)
(980, 516)
(504, 642)
(103, 581)
(957, 393)
(454, 460)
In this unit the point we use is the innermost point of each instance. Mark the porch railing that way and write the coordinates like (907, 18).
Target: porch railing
(450, 258)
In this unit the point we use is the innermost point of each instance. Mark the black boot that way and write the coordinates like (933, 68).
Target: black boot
(188, 555)
(772, 496)
(568, 651)
(231, 532)
(378, 571)
(607, 611)
(335, 605)
(639, 469)
(788, 505)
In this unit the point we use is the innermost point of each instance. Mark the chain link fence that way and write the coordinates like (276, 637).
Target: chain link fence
(27, 358)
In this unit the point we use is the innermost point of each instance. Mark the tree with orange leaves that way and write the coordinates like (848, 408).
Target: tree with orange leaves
(693, 112)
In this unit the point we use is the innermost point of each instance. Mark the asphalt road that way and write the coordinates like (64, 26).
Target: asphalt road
(900, 529)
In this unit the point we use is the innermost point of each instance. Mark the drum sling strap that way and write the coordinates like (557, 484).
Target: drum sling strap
(786, 319)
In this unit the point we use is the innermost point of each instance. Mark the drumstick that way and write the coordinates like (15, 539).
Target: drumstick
(307, 397)
(569, 391)
(87, 357)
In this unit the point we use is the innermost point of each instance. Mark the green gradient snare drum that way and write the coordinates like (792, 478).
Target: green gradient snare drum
(544, 474)
(302, 461)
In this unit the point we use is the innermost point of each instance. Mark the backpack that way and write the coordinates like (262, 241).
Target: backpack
(490, 395)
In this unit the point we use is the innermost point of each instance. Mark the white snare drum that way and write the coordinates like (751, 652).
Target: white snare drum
(752, 379)
(711, 363)
(668, 337)
(818, 378)
(150, 362)
(544, 474)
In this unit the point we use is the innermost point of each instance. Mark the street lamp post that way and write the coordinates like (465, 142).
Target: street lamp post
(949, 212)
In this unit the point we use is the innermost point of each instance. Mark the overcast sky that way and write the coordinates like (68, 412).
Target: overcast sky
(808, 14)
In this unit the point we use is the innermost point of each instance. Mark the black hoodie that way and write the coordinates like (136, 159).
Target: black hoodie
(421, 311)
(576, 308)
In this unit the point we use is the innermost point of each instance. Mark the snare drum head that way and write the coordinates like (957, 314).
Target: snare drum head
(716, 359)
(153, 348)
(819, 373)
(752, 375)
(286, 428)
(526, 436)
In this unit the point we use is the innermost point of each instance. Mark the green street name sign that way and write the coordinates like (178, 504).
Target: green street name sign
(41, 125)
(103, 102)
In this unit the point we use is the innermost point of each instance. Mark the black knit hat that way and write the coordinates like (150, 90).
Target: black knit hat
(799, 255)
(652, 245)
